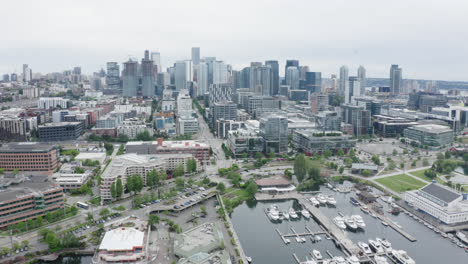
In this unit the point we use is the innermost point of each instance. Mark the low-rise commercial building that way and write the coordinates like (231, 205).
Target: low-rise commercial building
(431, 135)
(198, 149)
(60, 131)
(389, 126)
(71, 181)
(21, 200)
(315, 141)
(123, 245)
(441, 202)
(187, 125)
(30, 157)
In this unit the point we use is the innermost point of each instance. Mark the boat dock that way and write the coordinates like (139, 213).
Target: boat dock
(397, 228)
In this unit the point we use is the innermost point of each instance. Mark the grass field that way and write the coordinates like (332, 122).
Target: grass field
(401, 183)
(420, 174)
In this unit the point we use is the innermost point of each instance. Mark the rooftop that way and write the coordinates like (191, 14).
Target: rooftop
(272, 181)
(91, 155)
(432, 128)
(60, 124)
(172, 144)
(30, 186)
(26, 147)
(203, 238)
(440, 192)
(122, 238)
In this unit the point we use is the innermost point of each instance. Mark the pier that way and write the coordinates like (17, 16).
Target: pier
(397, 228)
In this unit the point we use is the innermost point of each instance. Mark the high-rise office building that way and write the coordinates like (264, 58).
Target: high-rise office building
(261, 79)
(182, 74)
(210, 63)
(245, 77)
(290, 63)
(353, 89)
(274, 131)
(275, 74)
(14, 77)
(395, 79)
(361, 74)
(27, 74)
(220, 72)
(147, 73)
(196, 55)
(302, 72)
(292, 77)
(201, 71)
(313, 82)
(113, 75)
(343, 79)
(130, 78)
(334, 82)
(156, 58)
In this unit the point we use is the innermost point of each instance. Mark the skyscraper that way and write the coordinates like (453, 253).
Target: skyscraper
(353, 89)
(361, 74)
(156, 58)
(292, 77)
(290, 63)
(26, 73)
(113, 75)
(395, 79)
(209, 62)
(202, 78)
(313, 82)
(147, 72)
(343, 80)
(275, 74)
(196, 55)
(220, 72)
(261, 79)
(130, 78)
(183, 74)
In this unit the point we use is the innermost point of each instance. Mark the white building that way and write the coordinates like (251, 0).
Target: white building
(52, 102)
(123, 245)
(99, 156)
(70, 181)
(441, 202)
(132, 131)
(220, 72)
(184, 103)
(187, 124)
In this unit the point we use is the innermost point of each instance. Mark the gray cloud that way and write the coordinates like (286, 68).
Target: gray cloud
(427, 38)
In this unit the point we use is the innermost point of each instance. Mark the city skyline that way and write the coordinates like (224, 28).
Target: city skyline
(417, 40)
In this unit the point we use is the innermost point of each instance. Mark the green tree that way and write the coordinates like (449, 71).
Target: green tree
(89, 217)
(221, 187)
(251, 188)
(104, 212)
(341, 170)
(153, 220)
(113, 191)
(109, 148)
(2, 171)
(340, 153)
(327, 153)
(300, 167)
(119, 188)
(39, 220)
(314, 173)
(288, 173)
(376, 160)
(365, 173)
(440, 156)
(178, 171)
(180, 182)
(192, 165)
(258, 155)
(395, 152)
(447, 154)
(151, 178)
(425, 162)
(402, 165)
(144, 136)
(206, 181)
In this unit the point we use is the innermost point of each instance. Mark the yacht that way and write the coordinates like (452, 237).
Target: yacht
(380, 260)
(353, 201)
(339, 260)
(350, 223)
(462, 236)
(292, 214)
(317, 254)
(331, 200)
(359, 221)
(318, 238)
(322, 200)
(353, 260)
(308, 261)
(273, 213)
(365, 248)
(329, 186)
(314, 201)
(402, 257)
(249, 259)
(376, 246)
(365, 209)
(384, 223)
(339, 221)
(386, 245)
(285, 215)
(305, 213)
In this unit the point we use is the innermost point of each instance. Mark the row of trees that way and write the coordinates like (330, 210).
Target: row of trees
(307, 172)
(55, 243)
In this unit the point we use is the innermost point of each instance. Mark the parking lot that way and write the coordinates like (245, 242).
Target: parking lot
(185, 200)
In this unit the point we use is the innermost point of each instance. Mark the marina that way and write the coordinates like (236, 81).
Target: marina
(341, 243)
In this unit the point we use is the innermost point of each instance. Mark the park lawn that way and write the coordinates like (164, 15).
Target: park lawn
(401, 183)
(420, 174)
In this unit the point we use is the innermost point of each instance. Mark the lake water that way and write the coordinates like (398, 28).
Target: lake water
(261, 242)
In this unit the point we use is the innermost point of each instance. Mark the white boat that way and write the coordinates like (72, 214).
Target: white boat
(308, 261)
(365, 248)
(339, 221)
(331, 200)
(384, 223)
(314, 201)
(380, 260)
(350, 223)
(305, 213)
(353, 260)
(318, 238)
(285, 215)
(339, 260)
(329, 186)
(298, 239)
(287, 240)
(365, 209)
(317, 254)
(402, 257)
(386, 245)
(462, 236)
(322, 199)
(396, 223)
(375, 246)
(373, 215)
(249, 259)
(293, 214)
(274, 213)
(359, 221)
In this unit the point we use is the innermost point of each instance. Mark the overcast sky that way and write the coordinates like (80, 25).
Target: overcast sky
(427, 38)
